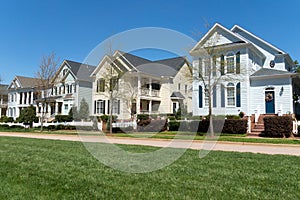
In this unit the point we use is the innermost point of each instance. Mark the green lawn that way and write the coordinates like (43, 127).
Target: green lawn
(48, 169)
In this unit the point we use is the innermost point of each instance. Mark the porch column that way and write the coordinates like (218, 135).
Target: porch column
(0, 111)
(56, 108)
(138, 99)
(27, 98)
(150, 87)
(150, 107)
(23, 98)
(31, 98)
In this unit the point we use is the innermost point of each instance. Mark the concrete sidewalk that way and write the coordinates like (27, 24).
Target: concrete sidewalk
(285, 149)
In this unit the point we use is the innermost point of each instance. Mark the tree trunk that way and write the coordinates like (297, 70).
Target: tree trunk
(211, 125)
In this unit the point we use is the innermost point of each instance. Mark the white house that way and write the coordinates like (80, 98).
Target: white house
(141, 86)
(21, 94)
(250, 74)
(3, 99)
(70, 85)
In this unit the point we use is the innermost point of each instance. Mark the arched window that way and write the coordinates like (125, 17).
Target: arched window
(230, 94)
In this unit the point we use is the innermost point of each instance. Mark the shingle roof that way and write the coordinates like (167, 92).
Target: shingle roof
(80, 70)
(27, 82)
(269, 72)
(3, 89)
(135, 60)
(177, 95)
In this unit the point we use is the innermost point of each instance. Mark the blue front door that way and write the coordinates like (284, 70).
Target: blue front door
(270, 102)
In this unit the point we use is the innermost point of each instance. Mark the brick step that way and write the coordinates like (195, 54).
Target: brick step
(254, 134)
(259, 126)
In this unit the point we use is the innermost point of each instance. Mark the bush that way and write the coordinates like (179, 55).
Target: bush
(152, 125)
(233, 117)
(16, 127)
(278, 126)
(142, 117)
(232, 126)
(63, 118)
(4, 126)
(6, 119)
(104, 118)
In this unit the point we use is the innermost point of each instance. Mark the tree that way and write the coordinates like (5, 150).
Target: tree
(211, 71)
(45, 74)
(83, 110)
(28, 115)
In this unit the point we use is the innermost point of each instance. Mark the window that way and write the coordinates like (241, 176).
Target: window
(206, 98)
(179, 86)
(155, 86)
(230, 94)
(214, 66)
(185, 89)
(100, 107)
(65, 71)
(200, 67)
(66, 106)
(230, 63)
(207, 67)
(222, 65)
(116, 107)
(114, 83)
(100, 85)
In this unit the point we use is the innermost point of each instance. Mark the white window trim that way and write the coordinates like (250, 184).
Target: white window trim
(234, 95)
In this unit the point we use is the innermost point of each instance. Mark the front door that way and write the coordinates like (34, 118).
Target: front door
(270, 102)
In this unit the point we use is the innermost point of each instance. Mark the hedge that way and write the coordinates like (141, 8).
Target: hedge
(278, 126)
(232, 126)
(63, 118)
(152, 125)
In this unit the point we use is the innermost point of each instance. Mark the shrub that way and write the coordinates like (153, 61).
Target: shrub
(174, 125)
(152, 125)
(4, 126)
(278, 126)
(104, 118)
(63, 118)
(233, 117)
(6, 119)
(16, 127)
(142, 117)
(235, 126)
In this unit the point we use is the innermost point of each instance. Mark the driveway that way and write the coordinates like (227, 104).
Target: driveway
(285, 149)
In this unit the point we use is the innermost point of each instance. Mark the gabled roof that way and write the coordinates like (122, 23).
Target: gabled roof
(237, 29)
(211, 31)
(165, 67)
(177, 95)
(27, 82)
(263, 72)
(80, 70)
(3, 89)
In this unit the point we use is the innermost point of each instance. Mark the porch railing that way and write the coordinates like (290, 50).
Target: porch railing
(148, 92)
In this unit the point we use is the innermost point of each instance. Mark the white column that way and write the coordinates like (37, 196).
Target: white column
(23, 98)
(0, 112)
(31, 98)
(150, 87)
(138, 100)
(56, 108)
(150, 106)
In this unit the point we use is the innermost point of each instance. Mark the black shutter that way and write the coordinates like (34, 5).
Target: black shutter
(222, 95)
(95, 106)
(118, 107)
(200, 96)
(214, 97)
(108, 107)
(104, 107)
(238, 63)
(238, 95)
(222, 65)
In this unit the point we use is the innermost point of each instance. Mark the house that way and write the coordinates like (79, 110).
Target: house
(21, 94)
(136, 85)
(3, 99)
(248, 74)
(70, 84)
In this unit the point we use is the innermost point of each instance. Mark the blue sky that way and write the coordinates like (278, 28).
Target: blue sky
(71, 29)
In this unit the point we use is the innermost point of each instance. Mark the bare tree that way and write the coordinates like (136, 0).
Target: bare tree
(45, 74)
(211, 71)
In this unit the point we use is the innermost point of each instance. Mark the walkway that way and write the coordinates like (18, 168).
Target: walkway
(286, 149)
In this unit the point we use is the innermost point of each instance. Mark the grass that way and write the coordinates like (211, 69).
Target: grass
(47, 169)
(223, 137)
